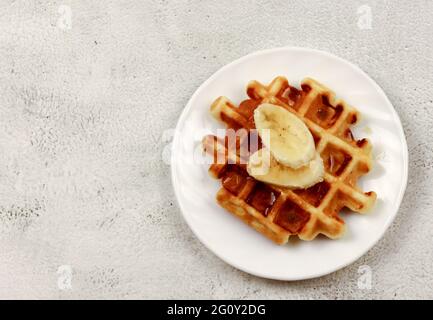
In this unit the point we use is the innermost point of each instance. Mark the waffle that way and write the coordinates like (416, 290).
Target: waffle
(279, 212)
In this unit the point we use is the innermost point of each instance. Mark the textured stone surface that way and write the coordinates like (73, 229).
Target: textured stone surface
(83, 189)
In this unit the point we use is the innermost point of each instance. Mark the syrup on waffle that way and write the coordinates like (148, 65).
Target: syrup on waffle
(279, 212)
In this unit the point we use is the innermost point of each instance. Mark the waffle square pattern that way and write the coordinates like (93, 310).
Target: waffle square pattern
(279, 212)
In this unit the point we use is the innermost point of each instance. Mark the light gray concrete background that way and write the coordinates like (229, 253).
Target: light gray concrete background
(86, 204)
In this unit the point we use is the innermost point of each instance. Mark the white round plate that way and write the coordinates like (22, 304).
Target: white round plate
(238, 244)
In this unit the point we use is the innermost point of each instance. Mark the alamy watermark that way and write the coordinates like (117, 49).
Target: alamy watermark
(64, 21)
(365, 279)
(64, 279)
(365, 17)
(226, 146)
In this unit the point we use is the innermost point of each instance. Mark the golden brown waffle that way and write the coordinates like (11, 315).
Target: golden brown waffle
(278, 212)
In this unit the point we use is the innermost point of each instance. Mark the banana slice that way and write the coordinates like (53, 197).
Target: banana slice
(285, 135)
(264, 167)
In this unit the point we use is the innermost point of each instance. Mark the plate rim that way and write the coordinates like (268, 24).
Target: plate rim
(186, 110)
